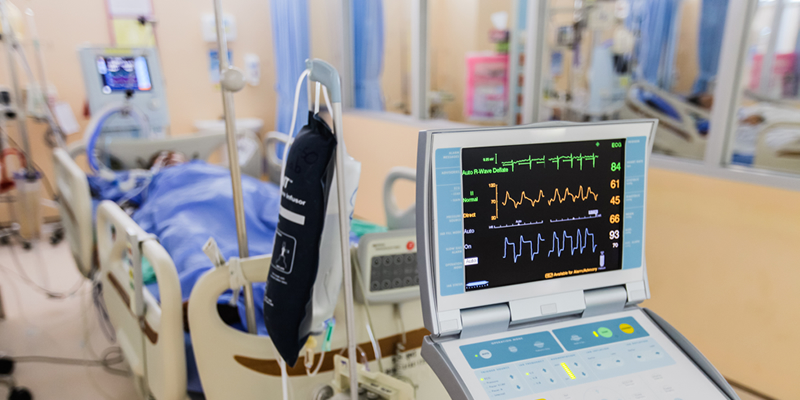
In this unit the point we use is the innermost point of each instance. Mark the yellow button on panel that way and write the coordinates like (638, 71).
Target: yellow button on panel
(625, 328)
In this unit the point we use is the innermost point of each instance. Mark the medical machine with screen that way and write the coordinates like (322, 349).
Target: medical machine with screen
(115, 75)
(531, 264)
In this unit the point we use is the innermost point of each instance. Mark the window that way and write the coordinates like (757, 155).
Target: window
(765, 130)
(468, 43)
(606, 60)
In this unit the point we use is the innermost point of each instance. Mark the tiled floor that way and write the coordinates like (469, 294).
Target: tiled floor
(36, 325)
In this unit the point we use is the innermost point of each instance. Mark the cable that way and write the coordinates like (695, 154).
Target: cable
(399, 318)
(375, 346)
(110, 357)
(47, 292)
(102, 312)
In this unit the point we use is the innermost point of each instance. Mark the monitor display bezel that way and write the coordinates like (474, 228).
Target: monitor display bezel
(519, 136)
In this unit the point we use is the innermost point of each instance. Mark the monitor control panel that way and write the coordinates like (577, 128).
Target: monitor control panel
(620, 356)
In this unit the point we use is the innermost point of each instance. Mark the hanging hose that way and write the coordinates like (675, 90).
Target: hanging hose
(94, 129)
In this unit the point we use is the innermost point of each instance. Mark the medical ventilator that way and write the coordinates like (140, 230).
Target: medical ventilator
(531, 262)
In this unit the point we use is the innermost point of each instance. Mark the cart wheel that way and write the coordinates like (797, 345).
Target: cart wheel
(20, 393)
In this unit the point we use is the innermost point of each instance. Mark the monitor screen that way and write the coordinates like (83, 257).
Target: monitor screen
(121, 73)
(534, 212)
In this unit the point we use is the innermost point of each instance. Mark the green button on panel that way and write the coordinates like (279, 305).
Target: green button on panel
(604, 332)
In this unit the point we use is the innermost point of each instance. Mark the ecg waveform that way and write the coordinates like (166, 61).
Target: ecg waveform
(582, 195)
(558, 160)
(522, 241)
(573, 244)
(528, 161)
(578, 242)
(580, 158)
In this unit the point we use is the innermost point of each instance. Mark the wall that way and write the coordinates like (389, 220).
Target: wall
(722, 256)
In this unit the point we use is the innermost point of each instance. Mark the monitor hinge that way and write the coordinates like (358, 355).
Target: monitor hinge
(480, 321)
(605, 300)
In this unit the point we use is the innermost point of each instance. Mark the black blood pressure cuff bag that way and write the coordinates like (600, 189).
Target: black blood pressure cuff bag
(295, 254)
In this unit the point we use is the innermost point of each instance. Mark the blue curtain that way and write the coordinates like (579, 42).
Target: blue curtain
(709, 45)
(368, 53)
(290, 35)
(658, 22)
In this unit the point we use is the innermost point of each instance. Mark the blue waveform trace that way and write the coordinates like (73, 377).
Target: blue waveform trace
(581, 245)
(521, 242)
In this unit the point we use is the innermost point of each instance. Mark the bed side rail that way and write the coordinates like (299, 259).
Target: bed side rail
(150, 333)
(686, 110)
(75, 209)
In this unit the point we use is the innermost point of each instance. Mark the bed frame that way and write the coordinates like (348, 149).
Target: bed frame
(236, 365)
(679, 138)
(785, 158)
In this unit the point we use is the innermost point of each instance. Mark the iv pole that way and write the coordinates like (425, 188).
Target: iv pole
(231, 81)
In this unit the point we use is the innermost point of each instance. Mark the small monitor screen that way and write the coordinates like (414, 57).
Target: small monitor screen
(121, 73)
(541, 211)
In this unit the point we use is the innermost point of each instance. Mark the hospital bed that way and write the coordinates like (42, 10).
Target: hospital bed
(152, 338)
(682, 127)
(231, 363)
(153, 342)
(75, 200)
(777, 145)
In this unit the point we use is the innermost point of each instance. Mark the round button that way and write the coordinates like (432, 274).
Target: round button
(625, 328)
(410, 245)
(410, 258)
(397, 282)
(512, 349)
(387, 260)
(605, 332)
(398, 259)
(485, 354)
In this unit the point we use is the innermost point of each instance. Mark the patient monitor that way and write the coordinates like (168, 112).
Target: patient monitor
(531, 264)
(115, 75)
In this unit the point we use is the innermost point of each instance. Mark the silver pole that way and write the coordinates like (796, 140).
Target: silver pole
(344, 236)
(231, 83)
(10, 41)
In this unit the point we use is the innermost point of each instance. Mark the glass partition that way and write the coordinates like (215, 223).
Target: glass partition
(606, 60)
(765, 132)
(468, 43)
(382, 55)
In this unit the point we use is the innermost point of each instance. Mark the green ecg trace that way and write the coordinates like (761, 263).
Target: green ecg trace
(580, 158)
(528, 161)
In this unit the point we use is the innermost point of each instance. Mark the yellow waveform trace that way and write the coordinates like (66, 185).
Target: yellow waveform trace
(581, 195)
(523, 197)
